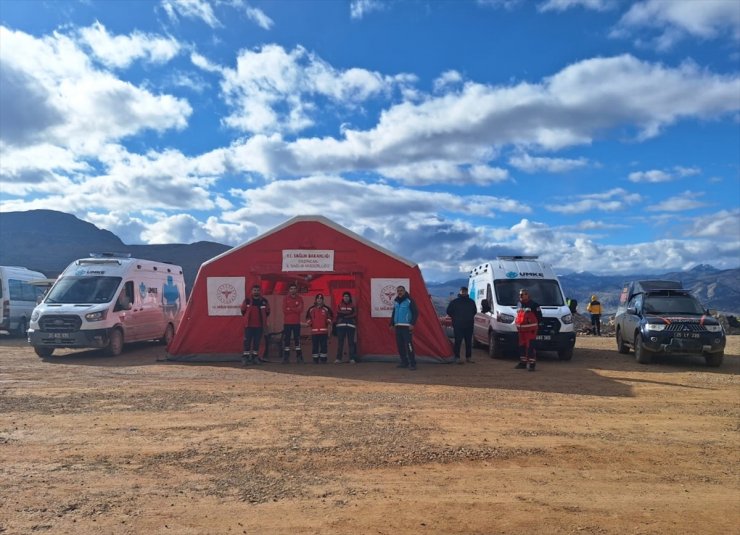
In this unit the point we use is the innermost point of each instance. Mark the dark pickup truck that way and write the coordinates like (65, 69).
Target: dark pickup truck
(661, 317)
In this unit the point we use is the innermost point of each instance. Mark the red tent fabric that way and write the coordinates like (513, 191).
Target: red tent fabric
(320, 256)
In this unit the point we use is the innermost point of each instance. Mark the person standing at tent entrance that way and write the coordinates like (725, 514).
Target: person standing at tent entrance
(292, 312)
(255, 310)
(319, 318)
(462, 310)
(528, 317)
(594, 308)
(403, 319)
(346, 328)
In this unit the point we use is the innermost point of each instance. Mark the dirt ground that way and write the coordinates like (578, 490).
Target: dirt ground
(598, 445)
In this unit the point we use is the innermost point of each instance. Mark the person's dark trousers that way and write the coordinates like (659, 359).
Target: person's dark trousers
(464, 334)
(596, 322)
(404, 341)
(319, 344)
(347, 333)
(252, 338)
(291, 330)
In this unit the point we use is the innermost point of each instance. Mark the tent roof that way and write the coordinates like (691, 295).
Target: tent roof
(314, 219)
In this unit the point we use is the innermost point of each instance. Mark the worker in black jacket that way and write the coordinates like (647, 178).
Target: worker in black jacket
(462, 310)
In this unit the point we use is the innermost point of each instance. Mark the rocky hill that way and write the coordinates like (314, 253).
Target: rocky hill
(48, 241)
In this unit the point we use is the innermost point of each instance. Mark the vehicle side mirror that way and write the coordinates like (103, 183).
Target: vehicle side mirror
(484, 306)
(631, 310)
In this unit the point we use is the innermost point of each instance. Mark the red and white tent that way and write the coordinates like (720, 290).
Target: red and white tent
(320, 256)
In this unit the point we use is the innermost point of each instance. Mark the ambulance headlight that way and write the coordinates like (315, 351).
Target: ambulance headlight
(567, 319)
(96, 316)
(504, 318)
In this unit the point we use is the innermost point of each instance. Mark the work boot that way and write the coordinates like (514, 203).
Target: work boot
(323, 359)
(531, 367)
(315, 359)
(298, 355)
(522, 365)
(286, 355)
(245, 358)
(403, 365)
(256, 358)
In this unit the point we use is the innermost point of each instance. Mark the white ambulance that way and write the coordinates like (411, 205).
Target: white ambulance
(107, 300)
(18, 297)
(495, 288)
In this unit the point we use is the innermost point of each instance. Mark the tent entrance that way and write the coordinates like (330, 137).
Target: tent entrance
(331, 285)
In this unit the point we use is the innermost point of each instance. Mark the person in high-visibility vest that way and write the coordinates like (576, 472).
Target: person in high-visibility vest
(527, 322)
(594, 308)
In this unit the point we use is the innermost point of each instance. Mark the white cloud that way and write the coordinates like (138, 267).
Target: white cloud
(444, 171)
(534, 164)
(259, 17)
(724, 224)
(52, 94)
(191, 9)
(359, 8)
(446, 80)
(563, 5)
(673, 20)
(574, 107)
(272, 90)
(609, 201)
(679, 203)
(654, 175)
(121, 50)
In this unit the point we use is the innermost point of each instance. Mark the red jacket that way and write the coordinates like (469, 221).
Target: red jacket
(292, 309)
(319, 318)
(526, 323)
(255, 312)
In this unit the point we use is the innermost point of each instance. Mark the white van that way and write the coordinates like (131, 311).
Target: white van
(107, 300)
(18, 298)
(495, 288)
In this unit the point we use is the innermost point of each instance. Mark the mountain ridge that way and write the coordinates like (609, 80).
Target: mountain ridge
(48, 241)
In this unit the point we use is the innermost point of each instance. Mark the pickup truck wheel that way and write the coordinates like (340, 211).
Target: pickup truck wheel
(115, 344)
(169, 334)
(714, 360)
(565, 354)
(494, 351)
(621, 346)
(642, 355)
(44, 352)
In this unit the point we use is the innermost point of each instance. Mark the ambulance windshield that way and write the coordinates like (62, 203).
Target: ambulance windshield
(77, 290)
(543, 292)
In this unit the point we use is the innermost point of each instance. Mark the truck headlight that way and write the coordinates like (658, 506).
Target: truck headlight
(713, 328)
(655, 326)
(96, 316)
(567, 319)
(504, 318)
(35, 315)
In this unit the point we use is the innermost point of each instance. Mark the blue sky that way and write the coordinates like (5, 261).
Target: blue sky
(602, 135)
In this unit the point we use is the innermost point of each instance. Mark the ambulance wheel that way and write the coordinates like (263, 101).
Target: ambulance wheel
(642, 355)
(44, 352)
(115, 344)
(565, 354)
(169, 334)
(494, 351)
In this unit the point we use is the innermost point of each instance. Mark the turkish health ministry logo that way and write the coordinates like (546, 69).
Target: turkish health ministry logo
(226, 293)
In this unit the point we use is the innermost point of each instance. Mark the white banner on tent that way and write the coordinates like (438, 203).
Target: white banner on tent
(308, 260)
(383, 293)
(225, 295)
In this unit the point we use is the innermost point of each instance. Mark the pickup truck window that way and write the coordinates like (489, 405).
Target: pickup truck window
(675, 304)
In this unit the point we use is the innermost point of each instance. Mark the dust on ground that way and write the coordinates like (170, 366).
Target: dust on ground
(597, 445)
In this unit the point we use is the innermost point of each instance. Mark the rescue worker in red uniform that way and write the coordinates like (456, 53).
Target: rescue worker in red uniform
(319, 318)
(292, 312)
(346, 328)
(255, 310)
(527, 321)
